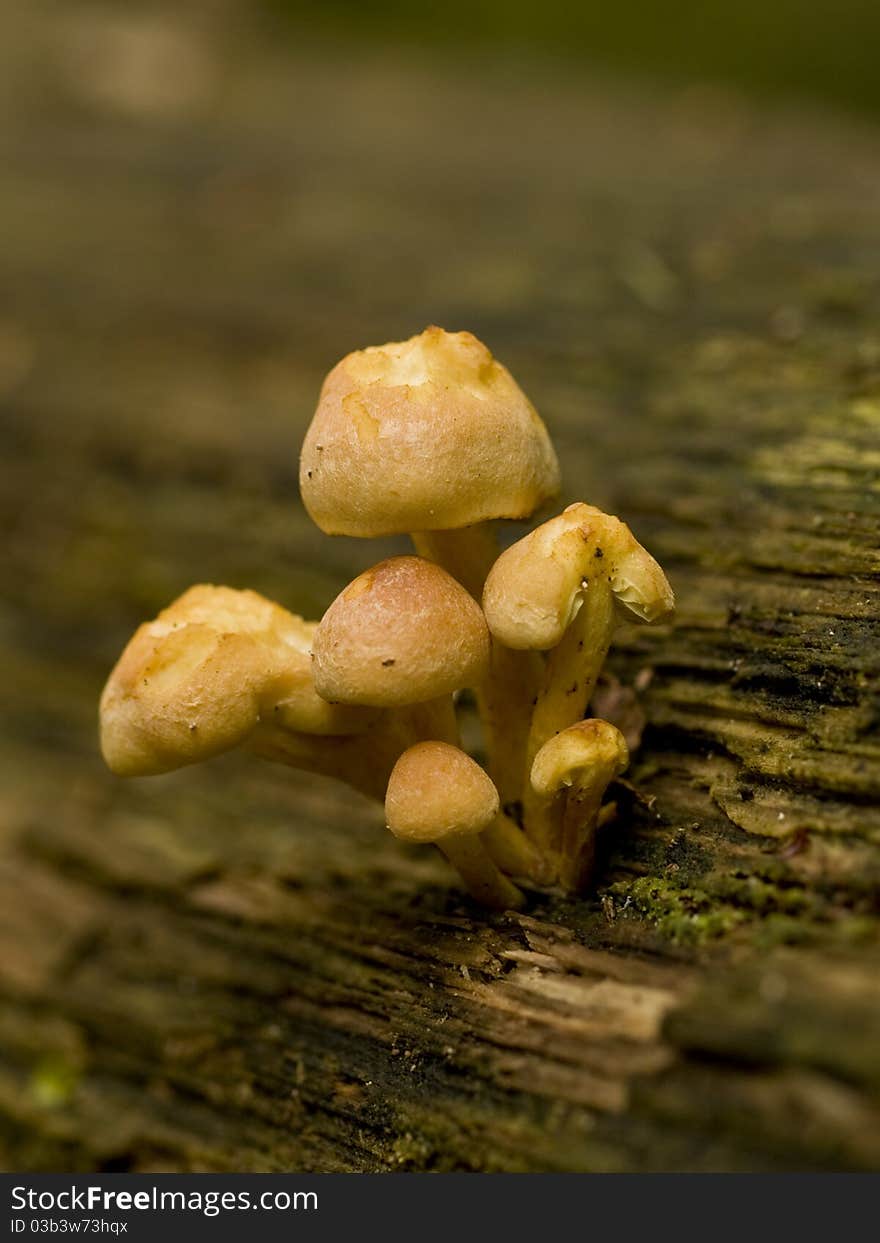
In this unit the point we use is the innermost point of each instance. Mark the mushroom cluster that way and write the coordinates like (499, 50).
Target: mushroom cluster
(433, 438)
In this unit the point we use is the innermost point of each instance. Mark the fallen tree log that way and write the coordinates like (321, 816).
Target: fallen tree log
(234, 968)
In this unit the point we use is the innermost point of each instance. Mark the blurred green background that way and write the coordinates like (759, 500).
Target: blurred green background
(827, 50)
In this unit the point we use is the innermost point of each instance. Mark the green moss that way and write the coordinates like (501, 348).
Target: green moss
(761, 898)
(53, 1082)
(411, 1151)
(857, 930)
(781, 930)
(682, 915)
(783, 914)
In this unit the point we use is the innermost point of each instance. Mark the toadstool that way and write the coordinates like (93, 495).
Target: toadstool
(569, 776)
(404, 632)
(438, 794)
(430, 434)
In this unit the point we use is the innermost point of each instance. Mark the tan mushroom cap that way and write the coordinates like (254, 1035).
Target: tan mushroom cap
(197, 679)
(428, 434)
(402, 633)
(287, 639)
(592, 750)
(437, 792)
(536, 586)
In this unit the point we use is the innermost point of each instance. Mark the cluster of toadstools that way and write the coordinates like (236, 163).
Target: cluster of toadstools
(431, 437)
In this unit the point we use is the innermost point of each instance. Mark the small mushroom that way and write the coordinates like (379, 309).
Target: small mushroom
(433, 437)
(570, 775)
(405, 634)
(178, 696)
(438, 794)
(561, 589)
(219, 668)
(430, 434)
(402, 633)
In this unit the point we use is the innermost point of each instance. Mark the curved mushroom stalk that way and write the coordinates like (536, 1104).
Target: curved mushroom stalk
(515, 853)
(438, 795)
(406, 635)
(507, 693)
(363, 761)
(560, 589)
(219, 668)
(570, 775)
(505, 841)
(433, 437)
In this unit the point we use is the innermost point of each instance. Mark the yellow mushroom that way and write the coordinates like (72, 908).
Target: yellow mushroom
(570, 775)
(430, 434)
(438, 795)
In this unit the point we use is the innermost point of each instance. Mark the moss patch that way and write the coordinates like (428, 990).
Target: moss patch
(681, 915)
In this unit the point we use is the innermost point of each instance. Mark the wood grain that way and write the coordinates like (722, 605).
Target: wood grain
(235, 967)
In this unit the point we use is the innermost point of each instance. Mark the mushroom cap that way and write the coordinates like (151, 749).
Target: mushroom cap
(401, 633)
(197, 679)
(289, 688)
(436, 792)
(177, 697)
(428, 434)
(591, 751)
(536, 586)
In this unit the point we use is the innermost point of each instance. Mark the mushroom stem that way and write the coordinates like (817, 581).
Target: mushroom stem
(434, 721)
(573, 668)
(505, 697)
(580, 822)
(504, 840)
(363, 761)
(466, 553)
(482, 878)
(514, 853)
(583, 817)
(504, 702)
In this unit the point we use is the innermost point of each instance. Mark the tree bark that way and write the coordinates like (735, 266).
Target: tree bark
(235, 968)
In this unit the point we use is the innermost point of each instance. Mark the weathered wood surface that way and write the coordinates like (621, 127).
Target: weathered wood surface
(234, 967)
